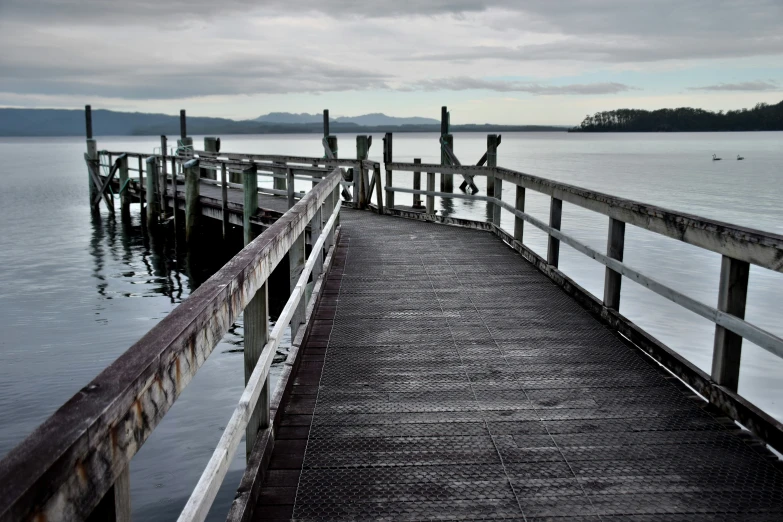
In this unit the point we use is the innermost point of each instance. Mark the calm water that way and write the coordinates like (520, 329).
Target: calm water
(77, 292)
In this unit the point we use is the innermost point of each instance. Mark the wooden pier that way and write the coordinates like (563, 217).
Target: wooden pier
(439, 370)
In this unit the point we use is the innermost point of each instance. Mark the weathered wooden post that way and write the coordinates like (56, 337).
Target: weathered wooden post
(376, 175)
(250, 189)
(519, 223)
(615, 244)
(163, 176)
(492, 161)
(192, 186)
(124, 188)
(296, 263)
(255, 316)
(210, 145)
(290, 186)
(553, 248)
(92, 154)
(115, 506)
(417, 186)
(278, 183)
(185, 143)
(446, 180)
(431, 188)
(362, 151)
(732, 294)
(142, 194)
(388, 158)
(331, 140)
(224, 199)
(152, 192)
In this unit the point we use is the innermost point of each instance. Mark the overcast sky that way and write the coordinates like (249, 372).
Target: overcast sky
(517, 61)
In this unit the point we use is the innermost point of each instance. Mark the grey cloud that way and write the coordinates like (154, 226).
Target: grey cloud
(756, 86)
(467, 83)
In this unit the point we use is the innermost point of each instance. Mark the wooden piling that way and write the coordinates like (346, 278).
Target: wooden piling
(92, 154)
(279, 183)
(553, 247)
(376, 174)
(142, 194)
(519, 223)
(210, 145)
(250, 189)
(152, 192)
(183, 129)
(224, 200)
(388, 158)
(125, 199)
(615, 244)
(163, 176)
(417, 186)
(446, 180)
(732, 295)
(192, 204)
(290, 186)
(492, 161)
(360, 188)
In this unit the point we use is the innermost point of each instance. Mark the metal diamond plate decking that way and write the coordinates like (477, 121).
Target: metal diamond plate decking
(447, 379)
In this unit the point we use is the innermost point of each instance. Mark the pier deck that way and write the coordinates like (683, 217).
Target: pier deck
(446, 378)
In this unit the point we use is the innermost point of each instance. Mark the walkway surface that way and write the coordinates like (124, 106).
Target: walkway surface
(447, 379)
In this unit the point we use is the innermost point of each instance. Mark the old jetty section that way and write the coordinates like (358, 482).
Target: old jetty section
(439, 370)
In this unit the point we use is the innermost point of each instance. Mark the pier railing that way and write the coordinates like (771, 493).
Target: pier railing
(75, 466)
(739, 247)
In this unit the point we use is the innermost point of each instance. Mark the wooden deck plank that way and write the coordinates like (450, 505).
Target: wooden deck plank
(458, 382)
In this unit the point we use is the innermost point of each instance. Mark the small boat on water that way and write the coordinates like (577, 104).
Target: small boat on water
(740, 158)
(716, 158)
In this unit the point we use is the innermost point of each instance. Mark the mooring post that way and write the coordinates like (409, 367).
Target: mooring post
(732, 295)
(192, 210)
(125, 199)
(388, 155)
(362, 151)
(615, 244)
(163, 176)
(250, 209)
(152, 192)
(492, 161)
(446, 180)
(519, 223)
(92, 154)
(553, 248)
(224, 199)
(210, 145)
(430, 188)
(417, 186)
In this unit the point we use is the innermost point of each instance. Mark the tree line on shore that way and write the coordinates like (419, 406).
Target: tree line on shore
(762, 117)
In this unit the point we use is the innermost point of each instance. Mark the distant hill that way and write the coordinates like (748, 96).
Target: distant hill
(373, 119)
(62, 122)
(762, 117)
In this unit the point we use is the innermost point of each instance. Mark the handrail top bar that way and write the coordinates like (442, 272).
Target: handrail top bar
(98, 430)
(305, 160)
(764, 249)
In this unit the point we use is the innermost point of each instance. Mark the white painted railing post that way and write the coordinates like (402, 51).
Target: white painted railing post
(732, 294)
(615, 245)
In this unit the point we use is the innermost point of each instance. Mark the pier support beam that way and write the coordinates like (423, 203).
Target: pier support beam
(732, 294)
(446, 180)
(152, 193)
(553, 248)
(615, 244)
(492, 161)
(192, 204)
